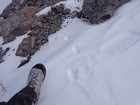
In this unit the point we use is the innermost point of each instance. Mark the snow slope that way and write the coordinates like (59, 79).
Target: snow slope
(86, 64)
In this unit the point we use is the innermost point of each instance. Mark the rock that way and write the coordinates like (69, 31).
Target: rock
(97, 11)
(1, 60)
(58, 8)
(5, 27)
(23, 62)
(26, 48)
(29, 12)
(19, 17)
(22, 28)
(40, 3)
(6, 50)
(44, 26)
(3, 53)
(30, 45)
(8, 38)
(12, 8)
(18, 24)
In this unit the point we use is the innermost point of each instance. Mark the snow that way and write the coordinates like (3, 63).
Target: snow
(86, 64)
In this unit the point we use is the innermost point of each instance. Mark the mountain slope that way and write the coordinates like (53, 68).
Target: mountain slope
(86, 64)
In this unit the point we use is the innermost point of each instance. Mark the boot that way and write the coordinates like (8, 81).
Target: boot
(36, 78)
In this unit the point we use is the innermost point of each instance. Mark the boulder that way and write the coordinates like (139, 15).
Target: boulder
(58, 8)
(97, 11)
(19, 16)
(30, 45)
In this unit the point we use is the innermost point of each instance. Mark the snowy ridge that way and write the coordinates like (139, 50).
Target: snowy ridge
(86, 64)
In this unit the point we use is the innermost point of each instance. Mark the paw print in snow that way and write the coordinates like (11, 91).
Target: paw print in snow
(75, 50)
(73, 75)
(66, 38)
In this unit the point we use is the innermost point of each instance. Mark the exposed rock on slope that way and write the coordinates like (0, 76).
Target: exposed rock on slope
(97, 11)
(18, 24)
(44, 26)
(16, 5)
(19, 18)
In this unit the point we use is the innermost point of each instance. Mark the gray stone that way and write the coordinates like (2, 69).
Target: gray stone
(30, 45)
(97, 11)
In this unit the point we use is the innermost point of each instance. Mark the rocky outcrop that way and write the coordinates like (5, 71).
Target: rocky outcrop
(30, 45)
(16, 5)
(97, 11)
(25, 61)
(18, 24)
(44, 26)
(19, 17)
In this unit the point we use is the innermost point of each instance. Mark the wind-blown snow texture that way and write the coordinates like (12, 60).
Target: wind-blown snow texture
(86, 64)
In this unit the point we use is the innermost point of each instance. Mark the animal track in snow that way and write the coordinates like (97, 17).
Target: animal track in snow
(75, 50)
(73, 75)
(66, 38)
